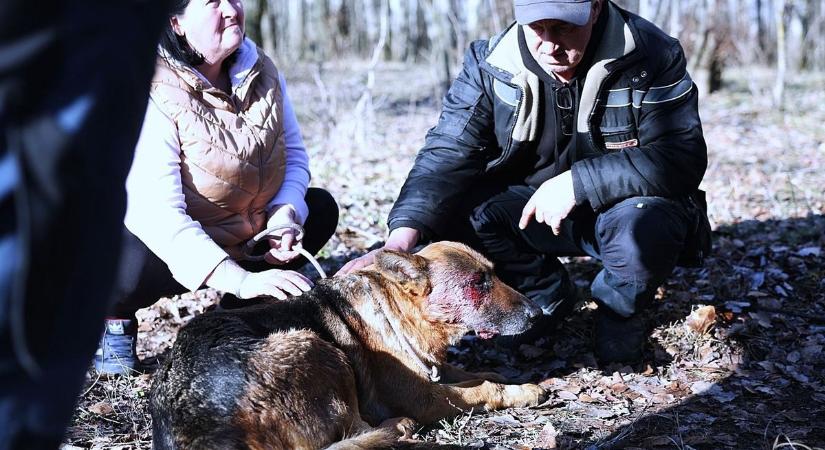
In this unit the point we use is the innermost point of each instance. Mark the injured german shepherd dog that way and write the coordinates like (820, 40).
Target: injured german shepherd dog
(346, 365)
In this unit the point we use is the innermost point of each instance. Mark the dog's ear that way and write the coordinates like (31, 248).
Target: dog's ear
(406, 269)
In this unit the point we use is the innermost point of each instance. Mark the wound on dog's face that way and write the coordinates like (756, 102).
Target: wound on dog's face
(478, 288)
(465, 291)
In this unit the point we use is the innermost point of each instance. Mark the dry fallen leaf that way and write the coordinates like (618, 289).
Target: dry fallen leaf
(618, 388)
(586, 398)
(567, 395)
(663, 398)
(701, 319)
(102, 409)
(547, 437)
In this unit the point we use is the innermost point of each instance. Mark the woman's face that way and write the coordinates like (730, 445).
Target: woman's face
(212, 27)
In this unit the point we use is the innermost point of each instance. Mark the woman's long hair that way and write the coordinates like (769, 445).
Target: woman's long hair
(175, 45)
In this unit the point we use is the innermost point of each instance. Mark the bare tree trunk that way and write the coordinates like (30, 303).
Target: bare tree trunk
(364, 108)
(675, 18)
(818, 38)
(254, 11)
(438, 23)
(781, 56)
(497, 22)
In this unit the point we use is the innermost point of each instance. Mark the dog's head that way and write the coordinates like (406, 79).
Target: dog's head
(454, 284)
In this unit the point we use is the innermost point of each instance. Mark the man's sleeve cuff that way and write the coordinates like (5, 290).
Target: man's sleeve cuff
(578, 189)
(425, 232)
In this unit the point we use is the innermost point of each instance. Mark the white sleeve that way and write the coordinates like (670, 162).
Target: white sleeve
(296, 179)
(156, 208)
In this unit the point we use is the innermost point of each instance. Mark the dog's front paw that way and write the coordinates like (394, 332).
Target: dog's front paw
(403, 425)
(524, 395)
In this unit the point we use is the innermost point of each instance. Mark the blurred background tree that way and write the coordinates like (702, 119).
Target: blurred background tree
(786, 34)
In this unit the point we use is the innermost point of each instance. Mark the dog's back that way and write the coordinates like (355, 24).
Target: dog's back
(260, 377)
(198, 388)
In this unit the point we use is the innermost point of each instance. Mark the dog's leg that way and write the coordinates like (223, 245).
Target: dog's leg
(403, 425)
(448, 400)
(383, 436)
(453, 374)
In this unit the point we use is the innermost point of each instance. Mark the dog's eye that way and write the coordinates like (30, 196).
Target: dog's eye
(482, 280)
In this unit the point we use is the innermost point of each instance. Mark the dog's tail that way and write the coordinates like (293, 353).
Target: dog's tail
(386, 439)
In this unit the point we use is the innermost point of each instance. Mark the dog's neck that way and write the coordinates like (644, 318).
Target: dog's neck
(420, 344)
(416, 355)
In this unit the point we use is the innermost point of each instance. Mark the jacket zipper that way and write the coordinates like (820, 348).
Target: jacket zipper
(506, 152)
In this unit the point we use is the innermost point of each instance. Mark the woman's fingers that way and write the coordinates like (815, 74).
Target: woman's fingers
(301, 282)
(286, 281)
(275, 292)
(276, 283)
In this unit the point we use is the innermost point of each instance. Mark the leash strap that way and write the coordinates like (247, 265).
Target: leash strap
(250, 245)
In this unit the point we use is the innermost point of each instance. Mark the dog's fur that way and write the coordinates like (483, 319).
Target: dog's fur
(338, 361)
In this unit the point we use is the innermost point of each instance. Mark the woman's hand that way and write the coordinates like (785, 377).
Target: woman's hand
(228, 276)
(274, 282)
(283, 242)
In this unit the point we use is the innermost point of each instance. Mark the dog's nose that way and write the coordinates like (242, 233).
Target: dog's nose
(532, 309)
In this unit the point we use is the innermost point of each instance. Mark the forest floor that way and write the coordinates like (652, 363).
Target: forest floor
(735, 356)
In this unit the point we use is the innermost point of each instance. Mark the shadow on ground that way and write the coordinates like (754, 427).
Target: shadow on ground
(766, 282)
(753, 380)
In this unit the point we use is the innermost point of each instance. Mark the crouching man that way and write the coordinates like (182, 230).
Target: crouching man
(575, 131)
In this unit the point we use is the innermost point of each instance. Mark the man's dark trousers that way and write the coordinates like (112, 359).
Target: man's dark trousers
(637, 240)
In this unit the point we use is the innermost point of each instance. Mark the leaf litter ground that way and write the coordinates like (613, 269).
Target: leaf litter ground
(735, 356)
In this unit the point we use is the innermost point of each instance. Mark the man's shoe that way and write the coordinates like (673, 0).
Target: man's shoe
(116, 354)
(619, 339)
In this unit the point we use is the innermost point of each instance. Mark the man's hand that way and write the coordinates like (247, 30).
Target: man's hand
(282, 242)
(275, 282)
(402, 239)
(551, 203)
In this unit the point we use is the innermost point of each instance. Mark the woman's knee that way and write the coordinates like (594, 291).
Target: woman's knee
(321, 199)
(322, 220)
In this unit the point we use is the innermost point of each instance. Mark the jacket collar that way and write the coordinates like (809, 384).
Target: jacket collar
(617, 42)
(241, 73)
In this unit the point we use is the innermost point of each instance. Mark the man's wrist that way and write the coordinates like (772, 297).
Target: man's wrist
(402, 239)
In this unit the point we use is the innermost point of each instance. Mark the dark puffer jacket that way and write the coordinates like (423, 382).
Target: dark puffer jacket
(638, 124)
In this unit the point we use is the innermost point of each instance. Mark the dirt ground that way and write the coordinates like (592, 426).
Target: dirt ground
(735, 356)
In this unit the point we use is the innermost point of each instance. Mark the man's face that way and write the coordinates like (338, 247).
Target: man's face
(559, 46)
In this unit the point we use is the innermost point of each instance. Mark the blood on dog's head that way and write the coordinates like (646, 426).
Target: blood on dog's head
(457, 285)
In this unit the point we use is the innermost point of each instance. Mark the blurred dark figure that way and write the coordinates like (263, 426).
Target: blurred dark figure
(74, 80)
